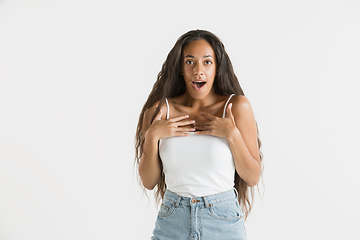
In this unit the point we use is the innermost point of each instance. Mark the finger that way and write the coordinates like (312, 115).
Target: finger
(184, 123)
(205, 132)
(209, 116)
(175, 119)
(229, 113)
(158, 116)
(202, 127)
(181, 134)
(185, 129)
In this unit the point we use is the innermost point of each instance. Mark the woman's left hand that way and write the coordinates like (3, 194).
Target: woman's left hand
(220, 127)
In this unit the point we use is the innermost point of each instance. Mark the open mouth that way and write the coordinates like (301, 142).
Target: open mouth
(198, 84)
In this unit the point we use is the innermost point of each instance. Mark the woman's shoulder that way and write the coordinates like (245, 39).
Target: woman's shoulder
(239, 101)
(149, 113)
(241, 105)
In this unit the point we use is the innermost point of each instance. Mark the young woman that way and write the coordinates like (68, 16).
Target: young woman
(197, 143)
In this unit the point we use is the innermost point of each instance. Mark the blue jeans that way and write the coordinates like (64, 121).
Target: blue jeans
(213, 217)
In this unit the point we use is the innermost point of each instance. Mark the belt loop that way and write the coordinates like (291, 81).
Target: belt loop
(206, 202)
(178, 201)
(236, 192)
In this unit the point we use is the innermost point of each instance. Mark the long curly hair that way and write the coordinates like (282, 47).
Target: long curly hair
(170, 83)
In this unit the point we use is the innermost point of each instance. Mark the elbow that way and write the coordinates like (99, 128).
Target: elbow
(251, 177)
(148, 186)
(253, 181)
(255, 178)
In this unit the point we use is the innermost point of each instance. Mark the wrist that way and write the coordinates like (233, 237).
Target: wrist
(233, 134)
(150, 137)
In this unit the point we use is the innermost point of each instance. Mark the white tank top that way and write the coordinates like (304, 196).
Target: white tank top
(197, 165)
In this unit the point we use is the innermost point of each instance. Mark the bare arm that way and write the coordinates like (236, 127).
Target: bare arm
(243, 141)
(239, 129)
(149, 167)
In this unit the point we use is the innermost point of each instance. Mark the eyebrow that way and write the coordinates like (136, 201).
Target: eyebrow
(191, 56)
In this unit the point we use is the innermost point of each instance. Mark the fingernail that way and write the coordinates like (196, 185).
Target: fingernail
(230, 105)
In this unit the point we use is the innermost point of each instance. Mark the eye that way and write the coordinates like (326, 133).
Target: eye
(188, 61)
(208, 62)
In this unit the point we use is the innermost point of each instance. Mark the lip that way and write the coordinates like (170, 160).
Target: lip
(195, 86)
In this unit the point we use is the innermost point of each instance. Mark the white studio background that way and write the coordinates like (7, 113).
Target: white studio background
(74, 76)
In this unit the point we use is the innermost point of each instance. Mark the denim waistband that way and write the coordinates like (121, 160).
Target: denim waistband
(205, 200)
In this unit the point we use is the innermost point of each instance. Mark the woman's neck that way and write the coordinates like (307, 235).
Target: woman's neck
(191, 102)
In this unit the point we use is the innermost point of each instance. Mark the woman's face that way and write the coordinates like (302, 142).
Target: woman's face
(198, 68)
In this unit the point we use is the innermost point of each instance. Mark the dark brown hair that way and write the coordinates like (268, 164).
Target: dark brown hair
(170, 83)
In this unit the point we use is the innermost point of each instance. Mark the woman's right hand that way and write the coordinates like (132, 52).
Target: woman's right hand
(172, 127)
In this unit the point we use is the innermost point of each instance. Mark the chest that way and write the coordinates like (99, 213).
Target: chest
(195, 151)
(176, 111)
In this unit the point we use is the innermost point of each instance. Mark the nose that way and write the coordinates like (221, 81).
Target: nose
(198, 69)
